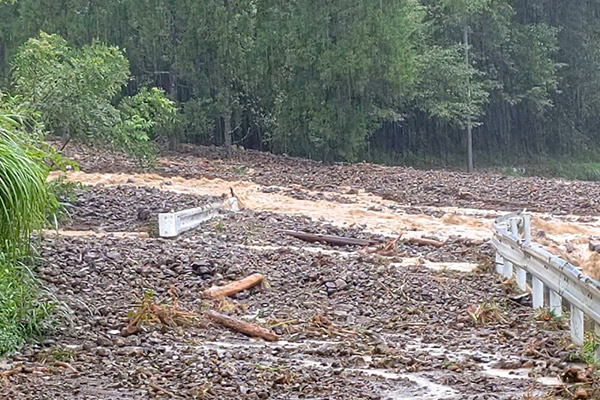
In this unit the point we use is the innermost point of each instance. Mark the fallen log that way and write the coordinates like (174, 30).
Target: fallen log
(241, 326)
(332, 240)
(424, 242)
(160, 389)
(234, 287)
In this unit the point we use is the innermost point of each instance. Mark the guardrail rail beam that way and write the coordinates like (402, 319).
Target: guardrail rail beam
(516, 255)
(173, 223)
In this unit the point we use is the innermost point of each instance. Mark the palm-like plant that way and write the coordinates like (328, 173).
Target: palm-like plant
(24, 198)
(25, 201)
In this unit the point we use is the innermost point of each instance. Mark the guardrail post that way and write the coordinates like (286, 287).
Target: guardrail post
(537, 286)
(507, 273)
(499, 264)
(597, 342)
(527, 228)
(537, 295)
(576, 326)
(521, 273)
(555, 303)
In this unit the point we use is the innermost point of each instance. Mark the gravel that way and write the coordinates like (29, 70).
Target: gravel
(352, 324)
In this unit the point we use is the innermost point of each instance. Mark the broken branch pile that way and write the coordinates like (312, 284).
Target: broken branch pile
(173, 316)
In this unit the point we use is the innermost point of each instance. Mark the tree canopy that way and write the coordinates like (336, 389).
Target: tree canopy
(334, 80)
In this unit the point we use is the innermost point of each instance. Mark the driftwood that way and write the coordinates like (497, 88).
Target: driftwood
(160, 389)
(134, 325)
(424, 242)
(17, 369)
(234, 287)
(242, 326)
(332, 240)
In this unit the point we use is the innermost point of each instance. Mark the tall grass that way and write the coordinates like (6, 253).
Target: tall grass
(24, 198)
(25, 202)
(23, 311)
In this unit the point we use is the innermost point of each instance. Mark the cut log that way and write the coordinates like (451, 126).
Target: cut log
(241, 326)
(332, 240)
(234, 287)
(424, 242)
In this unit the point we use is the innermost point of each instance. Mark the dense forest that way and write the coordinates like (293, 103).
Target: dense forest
(387, 81)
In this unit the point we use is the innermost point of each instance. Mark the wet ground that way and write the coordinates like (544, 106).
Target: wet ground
(417, 322)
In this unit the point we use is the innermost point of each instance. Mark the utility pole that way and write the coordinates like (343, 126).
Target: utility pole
(469, 122)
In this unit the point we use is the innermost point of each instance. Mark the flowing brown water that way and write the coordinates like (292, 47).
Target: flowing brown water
(372, 213)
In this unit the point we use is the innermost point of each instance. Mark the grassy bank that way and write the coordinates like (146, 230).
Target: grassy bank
(24, 313)
(585, 171)
(26, 203)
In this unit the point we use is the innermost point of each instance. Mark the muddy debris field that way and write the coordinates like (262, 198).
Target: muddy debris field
(400, 319)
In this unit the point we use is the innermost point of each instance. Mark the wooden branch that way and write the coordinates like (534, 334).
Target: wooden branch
(234, 287)
(241, 326)
(160, 389)
(65, 365)
(424, 242)
(134, 324)
(17, 369)
(332, 240)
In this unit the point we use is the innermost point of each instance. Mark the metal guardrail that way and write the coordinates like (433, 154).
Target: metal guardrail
(173, 223)
(517, 256)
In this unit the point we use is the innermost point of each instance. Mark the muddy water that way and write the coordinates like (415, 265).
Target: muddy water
(366, 210)
(564, 236)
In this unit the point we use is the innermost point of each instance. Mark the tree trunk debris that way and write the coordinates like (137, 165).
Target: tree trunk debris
(241, 326)
(332, 240)
(424, 242)
(234, 287)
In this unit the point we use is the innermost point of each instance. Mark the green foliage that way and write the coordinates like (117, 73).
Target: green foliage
(26, 202)
(585, 171)
(442, 89)
(197, 121)
(143, 118)
(152, 106)
(24, 314)
(323, 79)
(339, 71)
(72, 89)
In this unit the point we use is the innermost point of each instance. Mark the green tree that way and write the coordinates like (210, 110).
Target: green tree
(72, 89)
(215, 59)
(74, 92)
(338, 71)
(143, 118)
